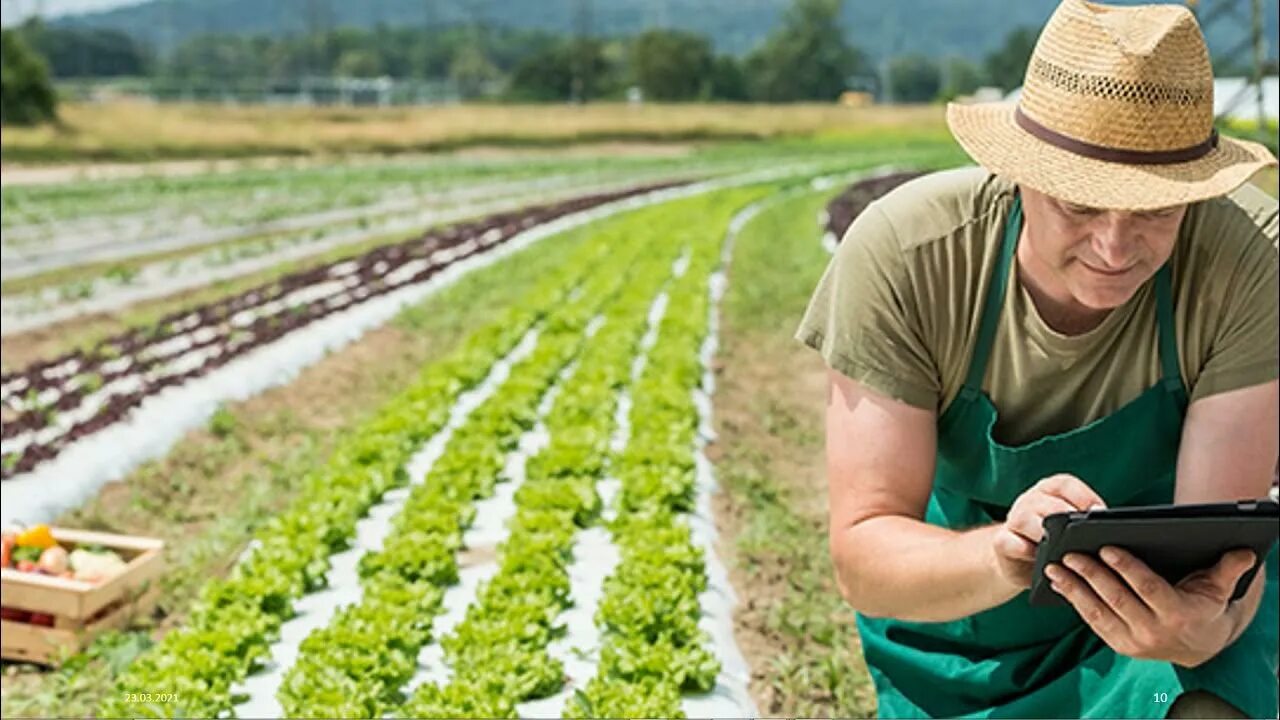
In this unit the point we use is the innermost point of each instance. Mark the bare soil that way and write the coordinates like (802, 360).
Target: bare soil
(769, 417)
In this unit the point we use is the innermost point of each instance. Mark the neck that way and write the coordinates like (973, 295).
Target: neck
(1052, 299)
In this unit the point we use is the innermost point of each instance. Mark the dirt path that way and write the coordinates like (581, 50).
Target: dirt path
(796, 633)
(771, 404)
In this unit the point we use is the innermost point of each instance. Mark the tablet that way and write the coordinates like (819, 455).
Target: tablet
(1173, 540)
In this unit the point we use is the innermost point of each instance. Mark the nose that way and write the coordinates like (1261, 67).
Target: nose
(1114, 241)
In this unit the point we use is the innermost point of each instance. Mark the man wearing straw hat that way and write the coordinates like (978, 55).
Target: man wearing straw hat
(1089, 319)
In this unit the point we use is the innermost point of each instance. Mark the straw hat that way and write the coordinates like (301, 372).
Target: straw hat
(1116, 112)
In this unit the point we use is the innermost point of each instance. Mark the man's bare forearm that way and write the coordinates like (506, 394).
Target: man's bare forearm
(903, 568)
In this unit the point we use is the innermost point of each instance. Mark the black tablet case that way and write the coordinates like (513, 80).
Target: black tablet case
(1174, 540)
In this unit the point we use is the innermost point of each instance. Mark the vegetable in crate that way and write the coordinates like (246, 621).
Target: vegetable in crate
(7, 542)
(26, 556)
(53, 560)
(95, 566)
(36, 536)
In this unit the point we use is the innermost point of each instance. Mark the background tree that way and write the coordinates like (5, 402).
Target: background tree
(807, 58)
(85, 52)
(915, 78)
(472, 72)
(221, 60)
(960, 77)
(358, 63)
(548, 75)
(26, 95)
(1007, 66)
(728, 82)
(672, 64)
(544, 76)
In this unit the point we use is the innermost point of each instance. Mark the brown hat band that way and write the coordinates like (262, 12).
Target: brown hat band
(1116, 155)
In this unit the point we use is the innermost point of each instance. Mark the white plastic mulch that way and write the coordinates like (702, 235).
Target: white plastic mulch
(161, 420)
(315, 610)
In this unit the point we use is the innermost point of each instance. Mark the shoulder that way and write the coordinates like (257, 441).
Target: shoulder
(934, 207)
(1231, 233)
(1226, 278)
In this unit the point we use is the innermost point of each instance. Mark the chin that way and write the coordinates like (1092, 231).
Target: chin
(1104, 298)
(1100, 293)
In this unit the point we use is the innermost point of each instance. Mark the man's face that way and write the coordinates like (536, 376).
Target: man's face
(1099, 258)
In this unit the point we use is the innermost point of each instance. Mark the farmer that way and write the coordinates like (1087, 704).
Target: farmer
(1090, 319)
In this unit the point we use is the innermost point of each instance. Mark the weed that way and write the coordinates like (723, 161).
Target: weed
(222, 423)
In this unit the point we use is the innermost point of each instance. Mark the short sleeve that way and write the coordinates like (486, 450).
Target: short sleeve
(1245, 347)
(864, 321)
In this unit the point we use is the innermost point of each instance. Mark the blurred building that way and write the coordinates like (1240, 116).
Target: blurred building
(856, 98)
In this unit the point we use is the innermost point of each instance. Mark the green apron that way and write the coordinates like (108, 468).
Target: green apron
(1016, 660)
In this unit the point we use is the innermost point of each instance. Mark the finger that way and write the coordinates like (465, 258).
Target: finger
(1028, 520)
(1072, 489)
(1014, 546)
(1096, 614)
(1230, 568)
(1112, 590)
(1152, 589)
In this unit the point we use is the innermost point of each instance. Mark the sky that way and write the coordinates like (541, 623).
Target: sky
(15, 11)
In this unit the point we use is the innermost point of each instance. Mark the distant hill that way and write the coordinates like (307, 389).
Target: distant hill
(966, 28)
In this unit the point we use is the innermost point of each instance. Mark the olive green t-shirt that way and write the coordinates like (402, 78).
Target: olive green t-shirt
(898, 309)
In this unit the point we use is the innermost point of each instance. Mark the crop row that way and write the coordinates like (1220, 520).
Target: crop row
(233, 623)
(653, 649)
(94, 390)
(59, 372)
(356, 665)
(498, 655)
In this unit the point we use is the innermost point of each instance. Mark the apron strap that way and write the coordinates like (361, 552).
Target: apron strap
(1170, 371)
(994, 300)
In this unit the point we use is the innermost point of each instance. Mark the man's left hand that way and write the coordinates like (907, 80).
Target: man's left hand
(1138, 614)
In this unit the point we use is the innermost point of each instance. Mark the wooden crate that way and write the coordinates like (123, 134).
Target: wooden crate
(81, 610)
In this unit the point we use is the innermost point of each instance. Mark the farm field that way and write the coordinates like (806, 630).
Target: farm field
(405, 500)
(483, 434)
(64, 254)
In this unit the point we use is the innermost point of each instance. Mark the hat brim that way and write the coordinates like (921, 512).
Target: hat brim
(991, 136)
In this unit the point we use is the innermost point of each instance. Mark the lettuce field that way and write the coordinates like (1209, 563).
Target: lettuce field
(429, 438)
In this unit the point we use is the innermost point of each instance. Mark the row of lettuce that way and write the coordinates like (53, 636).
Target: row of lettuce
(233, 623)
(358, 665)
(653, 650)
(499, 655)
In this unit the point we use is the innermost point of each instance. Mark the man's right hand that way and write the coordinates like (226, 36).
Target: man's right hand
(1014, 542)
